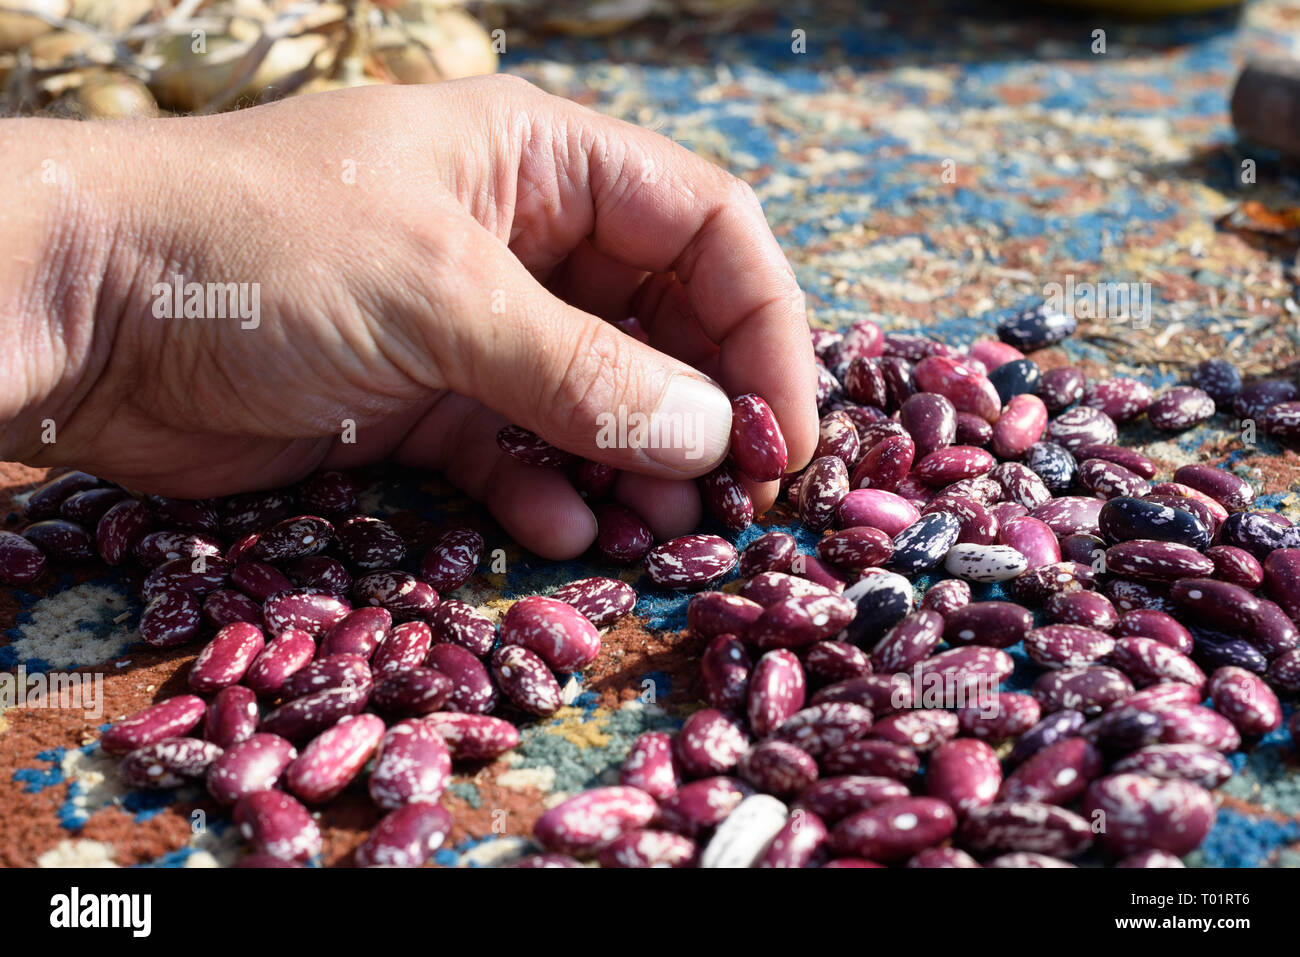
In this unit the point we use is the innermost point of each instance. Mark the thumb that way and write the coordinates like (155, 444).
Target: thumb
(578, 381)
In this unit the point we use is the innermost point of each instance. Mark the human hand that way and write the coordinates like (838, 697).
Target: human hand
(432, 262)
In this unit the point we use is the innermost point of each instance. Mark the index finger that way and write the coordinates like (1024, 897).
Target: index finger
(660, 208)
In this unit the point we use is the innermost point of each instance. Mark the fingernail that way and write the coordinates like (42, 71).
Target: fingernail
(693, 422)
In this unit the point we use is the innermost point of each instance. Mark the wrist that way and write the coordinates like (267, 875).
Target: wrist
(72, 221)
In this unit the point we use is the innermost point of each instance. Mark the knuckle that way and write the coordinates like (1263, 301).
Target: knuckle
(598, 370)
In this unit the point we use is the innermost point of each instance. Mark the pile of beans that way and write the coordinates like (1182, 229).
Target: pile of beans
(820, 745)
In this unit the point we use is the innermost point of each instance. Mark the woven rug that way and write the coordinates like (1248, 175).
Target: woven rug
(930, 165)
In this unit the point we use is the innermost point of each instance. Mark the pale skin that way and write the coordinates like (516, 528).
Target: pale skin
(377, 298)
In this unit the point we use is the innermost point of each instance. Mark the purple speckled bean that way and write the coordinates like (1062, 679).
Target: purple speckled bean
(944, 466)
(1070, 515)
(883, 694)
(1215, 603)
(1128, 595)
(232, 716)
(896, 830)
(873, 758)
(289, 653)
(295, 537)
(413, 692)
(1090, 690)
(593, 480)
(837, 435)
(276, 824)
(226, 658)
(1230, 491)
(197, 576)
(1082, 426)
(798, 843)
(911, 640)
(1061, 388)
(530, 448)
(770, 552)
(555, 631)
(369, 543)
(1030, 826)
(453, 557)
(586, 822)
(472, 690)
(1236, 565)
(320, 573)
(1038, 585)
(946, 596)
(1052, 728)
(1245, 700)
(196, 515)
(167, 719)
(922, 729)
(651, 766)
(463, 625)
(1284, 671)
(602, 600)
(1108, 480)
(825, 727)
(258, 579)
(854, 549)
(120, 529)
(413, 766)
(1067, 646)
(1165, 694)
(942, 857)
(328, 492)
(1179, 408)
(776, 691)
(824, 485)
(964, 774)
(826, 662)
(402, 594)
(526, 680)
(171, 619)
(1000, 717)
(1143, 813)
(726, 498)
(1085, 608)
(1148, 661)
(86, 508)
(967, 389)
(709, 743)
(971, 667)
(1150, 560)
(168, 763)
(343, 670)
(646, 848)
(884, 466)
(243, 514)
(1194, 724)
(1185, 762)
(691, 561)
(835, 798)
(334, 757)
(1056, 774)
(45, 499)
(1135, 462)
(473, 737)
(819, 573)
(972, 430)
(304, 609)
(225, 606)
(301, 718)
(621, 535)
(405, 837)
(406, 647)
(1121, 399)
(757, 445)
(778, 768)
(797, 622)
(253, 765)
(1020, 484)
(992, 624)
(724, 670)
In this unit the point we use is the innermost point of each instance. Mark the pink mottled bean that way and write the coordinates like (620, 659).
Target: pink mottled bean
(277, 825)
(690, 561)
(305, 610)
(650, 766)
(896, 830)
(884, 466)
(583, 824)
(472, 690)
(334, 757)
(253, 765)
(556, 632)
(167, 719)
(1143, 813)
(725, 669)
(526, 680)
(1157, 625)
(302, 718)
(621, 535)
(405, 837)
(282, 658)
(964, 774)
(232, 716)
(168, 763)
(1057, 774)
(1032, 538)
(709, 743)
(171, 619)
(776, 691)
(120, 529)
(922, 729)
(1089, 690)
(770, 552)
(452, 559)
(602, 601)
(1020, 425)
(1245, 700)
(1148, 661)
(227, 657)
(473, 737)
(413, 766)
